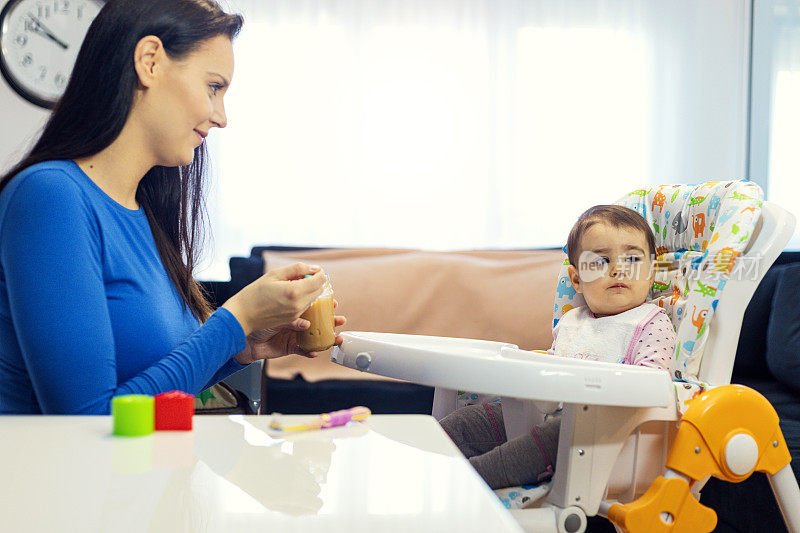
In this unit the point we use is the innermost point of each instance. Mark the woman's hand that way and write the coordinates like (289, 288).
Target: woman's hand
(277, 342)
(276, 299)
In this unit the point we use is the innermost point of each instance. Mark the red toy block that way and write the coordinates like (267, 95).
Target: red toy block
(174, 411)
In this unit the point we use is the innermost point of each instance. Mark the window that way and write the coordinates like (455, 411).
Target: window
(454, 125)
(775, 146)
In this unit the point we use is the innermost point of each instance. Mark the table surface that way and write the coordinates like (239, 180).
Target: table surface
(232, 473)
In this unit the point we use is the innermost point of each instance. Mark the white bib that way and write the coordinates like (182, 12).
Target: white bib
(607, 339)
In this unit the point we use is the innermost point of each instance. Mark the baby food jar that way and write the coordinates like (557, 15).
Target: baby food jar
(320, 335)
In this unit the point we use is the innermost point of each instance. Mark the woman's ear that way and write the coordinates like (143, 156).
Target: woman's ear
(147, 59)
(574, 278)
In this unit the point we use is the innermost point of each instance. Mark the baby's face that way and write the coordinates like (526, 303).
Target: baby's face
(614, 271)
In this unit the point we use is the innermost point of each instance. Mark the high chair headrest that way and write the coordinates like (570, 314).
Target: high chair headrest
(700, 231)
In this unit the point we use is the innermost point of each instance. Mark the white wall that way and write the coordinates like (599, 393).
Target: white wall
(21, 123)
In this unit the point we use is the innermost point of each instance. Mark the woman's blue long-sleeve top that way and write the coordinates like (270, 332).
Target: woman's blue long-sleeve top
(87, 309)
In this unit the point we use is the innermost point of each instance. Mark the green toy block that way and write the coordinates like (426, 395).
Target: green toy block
(134, 415)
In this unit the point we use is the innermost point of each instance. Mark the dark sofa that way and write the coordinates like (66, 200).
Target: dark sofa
(297, 396)
(767, 359)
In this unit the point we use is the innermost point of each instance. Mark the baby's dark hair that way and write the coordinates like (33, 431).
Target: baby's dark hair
(615, 215)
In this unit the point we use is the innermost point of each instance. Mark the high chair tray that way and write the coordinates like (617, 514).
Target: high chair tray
(501, 368)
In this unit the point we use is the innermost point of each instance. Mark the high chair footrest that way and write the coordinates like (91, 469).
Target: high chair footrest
(667, 506)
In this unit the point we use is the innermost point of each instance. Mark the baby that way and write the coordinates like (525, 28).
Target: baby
(610, 250)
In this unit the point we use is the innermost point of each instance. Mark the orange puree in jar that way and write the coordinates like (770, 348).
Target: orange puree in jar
(320, 336)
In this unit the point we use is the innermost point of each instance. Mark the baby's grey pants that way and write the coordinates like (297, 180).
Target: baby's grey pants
(479, 433)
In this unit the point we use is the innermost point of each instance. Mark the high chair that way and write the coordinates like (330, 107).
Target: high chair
(634, 446)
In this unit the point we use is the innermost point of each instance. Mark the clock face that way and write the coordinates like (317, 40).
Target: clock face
(39, 41)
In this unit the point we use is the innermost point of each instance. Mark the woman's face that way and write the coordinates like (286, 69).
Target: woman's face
(185, 100)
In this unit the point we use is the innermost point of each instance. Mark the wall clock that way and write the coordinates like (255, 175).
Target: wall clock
(39, 41)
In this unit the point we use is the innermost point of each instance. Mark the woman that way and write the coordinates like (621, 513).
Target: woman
(100, 225)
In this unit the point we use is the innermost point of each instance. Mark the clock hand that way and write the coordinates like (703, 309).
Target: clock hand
(42, 29)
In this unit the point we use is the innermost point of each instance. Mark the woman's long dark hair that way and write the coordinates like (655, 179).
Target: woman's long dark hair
(96, 104)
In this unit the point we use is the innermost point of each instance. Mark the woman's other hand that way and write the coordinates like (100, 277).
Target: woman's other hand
(277, 298)
(277, 342)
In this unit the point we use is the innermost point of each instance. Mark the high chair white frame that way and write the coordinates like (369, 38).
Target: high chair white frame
(618, 422)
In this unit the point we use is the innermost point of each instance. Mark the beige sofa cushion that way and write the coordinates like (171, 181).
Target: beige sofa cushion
(492, 295)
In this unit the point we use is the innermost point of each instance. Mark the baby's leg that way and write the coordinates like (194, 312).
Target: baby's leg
(524, 460)
(476, 429)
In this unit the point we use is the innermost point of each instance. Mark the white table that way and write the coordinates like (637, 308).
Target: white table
(231, 473)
